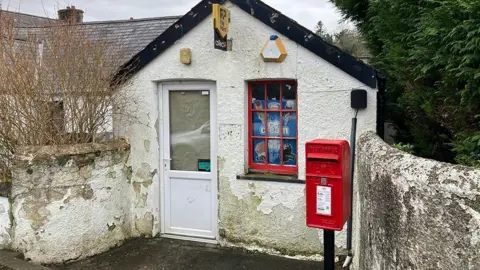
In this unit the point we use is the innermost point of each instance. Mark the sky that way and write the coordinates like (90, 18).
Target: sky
(305, 12)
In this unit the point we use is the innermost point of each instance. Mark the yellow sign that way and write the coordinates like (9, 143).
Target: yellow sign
(274, 51)
(221, 19)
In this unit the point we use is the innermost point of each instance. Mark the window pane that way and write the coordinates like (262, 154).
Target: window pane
(258, 124)
(274, 124)
(274, 152)
(289, 124)
(189, 129)
(290, 152)
(259, 151)
(258, 96)
(273, 95)
(289, 96)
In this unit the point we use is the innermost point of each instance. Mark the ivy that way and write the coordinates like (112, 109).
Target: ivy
(430, 51)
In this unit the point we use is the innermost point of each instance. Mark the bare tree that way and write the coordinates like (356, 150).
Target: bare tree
(352, 42)
(321, 31)
(57, 86)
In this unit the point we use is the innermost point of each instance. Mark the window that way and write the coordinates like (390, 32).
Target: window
(273, 127)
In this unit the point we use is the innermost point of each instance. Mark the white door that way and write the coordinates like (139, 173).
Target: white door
(189, 161)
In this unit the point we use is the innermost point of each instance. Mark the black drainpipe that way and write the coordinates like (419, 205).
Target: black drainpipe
(381, 111)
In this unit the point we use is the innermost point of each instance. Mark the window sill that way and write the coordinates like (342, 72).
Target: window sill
(268, 177)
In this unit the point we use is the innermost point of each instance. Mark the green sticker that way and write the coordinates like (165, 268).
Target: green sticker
(204, 165)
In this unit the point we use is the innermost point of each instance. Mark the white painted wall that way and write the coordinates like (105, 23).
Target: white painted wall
(5, 238)
(272, 214)
(416, 213)
(72, 205)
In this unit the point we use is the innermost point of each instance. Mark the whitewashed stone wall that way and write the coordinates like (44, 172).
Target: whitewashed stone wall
(272, 215)
(5, 223)
(69, 202)
(415, 213)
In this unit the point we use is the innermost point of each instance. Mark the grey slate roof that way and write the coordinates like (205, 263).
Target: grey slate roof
(26, 20)
(131, 35)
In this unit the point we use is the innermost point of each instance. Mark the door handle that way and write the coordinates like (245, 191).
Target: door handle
(167, 159)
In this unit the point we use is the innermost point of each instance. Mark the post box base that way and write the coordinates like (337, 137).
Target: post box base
(325, 227)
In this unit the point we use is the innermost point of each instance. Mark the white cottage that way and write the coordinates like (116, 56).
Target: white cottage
(217, 154)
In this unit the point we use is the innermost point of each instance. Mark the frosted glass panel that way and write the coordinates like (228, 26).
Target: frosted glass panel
(189, 130)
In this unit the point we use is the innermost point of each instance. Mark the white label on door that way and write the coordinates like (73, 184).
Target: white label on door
(324, 200)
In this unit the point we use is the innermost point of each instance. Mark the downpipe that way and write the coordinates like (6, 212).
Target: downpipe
(353, 139)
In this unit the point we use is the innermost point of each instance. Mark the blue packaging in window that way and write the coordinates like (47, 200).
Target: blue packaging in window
(274, 104)
(289, 124)
(258, 124)
(274, 124)
(258, 104)
(289, 152)
(289, 104)
(274, 152)
(259, 153)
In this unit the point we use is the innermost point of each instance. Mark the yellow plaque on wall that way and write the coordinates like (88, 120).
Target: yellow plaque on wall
(221, 19)
(274, 51)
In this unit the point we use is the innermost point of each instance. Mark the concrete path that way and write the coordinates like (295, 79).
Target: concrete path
(156, 254)
(12, 261)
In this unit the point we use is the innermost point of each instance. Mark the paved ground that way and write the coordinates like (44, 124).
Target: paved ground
(13, 261)
(159, 254)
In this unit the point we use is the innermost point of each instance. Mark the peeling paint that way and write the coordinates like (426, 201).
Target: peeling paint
(433, 205)
(147, 144)
(111, 227)
(144, 172)
(5, 223)
(253, 227)
(64, 209)
(144, 225)
(264, 205)
(273, 17)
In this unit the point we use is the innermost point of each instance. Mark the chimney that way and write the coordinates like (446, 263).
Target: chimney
(71, 15)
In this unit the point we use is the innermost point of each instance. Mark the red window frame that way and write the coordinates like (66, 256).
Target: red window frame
(271, 168)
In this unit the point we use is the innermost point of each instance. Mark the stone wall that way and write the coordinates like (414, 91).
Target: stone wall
(5, 223)
(68, 202)
(415, 213)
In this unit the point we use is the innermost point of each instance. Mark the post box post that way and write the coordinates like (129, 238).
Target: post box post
(328, 190)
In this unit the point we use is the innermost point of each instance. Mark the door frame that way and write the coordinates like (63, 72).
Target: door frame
(163, 89)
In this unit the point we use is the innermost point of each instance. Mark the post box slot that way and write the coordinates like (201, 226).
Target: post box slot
(324, 157)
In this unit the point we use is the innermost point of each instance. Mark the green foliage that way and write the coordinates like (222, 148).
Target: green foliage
(348, 40)
(430, 52)
(404, 147)
(467, 147)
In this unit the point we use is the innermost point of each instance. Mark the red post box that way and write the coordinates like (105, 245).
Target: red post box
(328, 184)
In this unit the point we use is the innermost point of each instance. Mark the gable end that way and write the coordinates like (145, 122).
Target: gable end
(269, 16)
(309, 40)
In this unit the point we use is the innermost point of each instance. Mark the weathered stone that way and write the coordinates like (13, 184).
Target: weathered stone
(5, 223)
(415, 213)
(146, 145)
(144, 224)
(61, 205)
(5, 189)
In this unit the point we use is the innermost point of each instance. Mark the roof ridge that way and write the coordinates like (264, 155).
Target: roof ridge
(31, 15)
(133, 20)
(111, 21)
